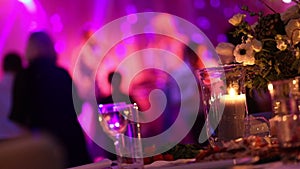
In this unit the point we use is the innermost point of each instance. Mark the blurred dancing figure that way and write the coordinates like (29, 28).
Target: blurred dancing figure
(11, 65)
(42, 100)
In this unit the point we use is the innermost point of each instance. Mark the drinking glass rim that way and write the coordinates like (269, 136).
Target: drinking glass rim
(219, 68)
(115, 106)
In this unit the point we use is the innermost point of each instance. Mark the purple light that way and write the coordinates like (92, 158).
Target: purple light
(148, 10)
(197, 38)
(120, 51)
(132, 18)
(199, 4)
(56, 23)
(222, 38)
(148, 28)
(236, 9)
(33, 26)
(130, 9)
(228, 12)
(117, 124)
(130, 41)
(215, 3)
(203, 23)
(111, 126)
(7, 27)
(60, 46)
(209, 54)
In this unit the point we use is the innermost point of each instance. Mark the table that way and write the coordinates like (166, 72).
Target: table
(217, 164)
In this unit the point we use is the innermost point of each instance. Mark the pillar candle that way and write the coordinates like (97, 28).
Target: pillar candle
(231, 125)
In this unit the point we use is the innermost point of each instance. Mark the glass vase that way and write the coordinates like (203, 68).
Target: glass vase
(285, 95)
(224, 103)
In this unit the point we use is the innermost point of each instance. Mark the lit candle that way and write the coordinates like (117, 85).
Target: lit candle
(234, 102)
(231, 125)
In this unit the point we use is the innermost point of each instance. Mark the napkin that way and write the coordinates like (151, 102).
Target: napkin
(97, 165)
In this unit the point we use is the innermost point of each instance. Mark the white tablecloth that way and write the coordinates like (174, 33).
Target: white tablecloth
(204, 165)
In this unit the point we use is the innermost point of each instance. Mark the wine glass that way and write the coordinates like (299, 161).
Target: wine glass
(120, 122)
(111, 119)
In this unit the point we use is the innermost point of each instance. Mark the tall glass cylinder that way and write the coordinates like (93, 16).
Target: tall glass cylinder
(224, 101)
(285, 125)
(285, 95)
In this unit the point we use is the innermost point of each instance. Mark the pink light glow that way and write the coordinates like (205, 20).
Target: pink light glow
(29, 4)
(125, 27)
(198, 38)
(132, 18)
(60, 46)
(55, 20)
(7, 27)
(121, 51)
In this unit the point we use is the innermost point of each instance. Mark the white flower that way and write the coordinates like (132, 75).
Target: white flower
(281, 41)
(256, 45)
(281, 45)
(291, 13)
(237, 19)
(244, 54)
(225, 52)
(293, 30)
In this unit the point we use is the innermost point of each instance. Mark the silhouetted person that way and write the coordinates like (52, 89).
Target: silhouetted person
(115, 81)
(11, 65)
(42, 99)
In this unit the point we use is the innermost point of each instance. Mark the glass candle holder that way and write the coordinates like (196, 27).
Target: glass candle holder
(285, 95)
(224, 103)
(285, 125)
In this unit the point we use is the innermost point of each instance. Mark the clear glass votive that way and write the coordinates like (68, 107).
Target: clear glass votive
(288, 129)
(285, 125)
(121, 122)
(285, 95)
(224, 102)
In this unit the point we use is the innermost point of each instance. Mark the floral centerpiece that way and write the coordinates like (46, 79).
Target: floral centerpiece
(269, 49)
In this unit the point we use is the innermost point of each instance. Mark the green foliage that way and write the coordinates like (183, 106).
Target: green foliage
(184, 151)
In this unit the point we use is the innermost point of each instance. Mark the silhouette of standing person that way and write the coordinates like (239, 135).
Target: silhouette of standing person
(42, 100)
(11, 65)
(115, 81)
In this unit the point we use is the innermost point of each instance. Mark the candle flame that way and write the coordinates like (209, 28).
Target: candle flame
(232, 92)
(270, 87)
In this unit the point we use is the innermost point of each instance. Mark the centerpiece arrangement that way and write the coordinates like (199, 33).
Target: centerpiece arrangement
(269, 48)
(269, 52)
